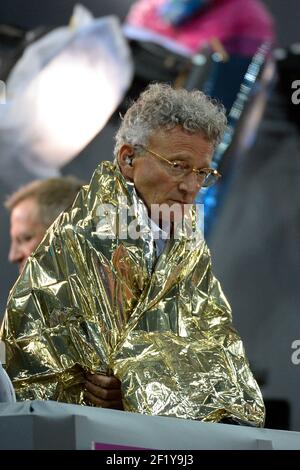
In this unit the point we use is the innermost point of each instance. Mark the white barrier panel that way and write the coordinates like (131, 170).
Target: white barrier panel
(51, 425)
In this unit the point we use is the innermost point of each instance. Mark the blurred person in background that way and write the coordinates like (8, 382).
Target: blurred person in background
(186, 26)
(33, 208)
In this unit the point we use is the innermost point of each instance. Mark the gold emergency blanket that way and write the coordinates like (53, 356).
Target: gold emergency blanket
(88, 301)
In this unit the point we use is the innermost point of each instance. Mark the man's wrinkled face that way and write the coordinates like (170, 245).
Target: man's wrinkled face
(26, 231)
(151, 176)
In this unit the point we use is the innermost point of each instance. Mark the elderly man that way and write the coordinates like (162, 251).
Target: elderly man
(116, 289)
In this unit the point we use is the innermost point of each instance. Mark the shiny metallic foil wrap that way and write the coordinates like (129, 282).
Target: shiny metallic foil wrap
(91, 300)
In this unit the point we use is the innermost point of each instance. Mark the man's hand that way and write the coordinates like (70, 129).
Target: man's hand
(104, 391)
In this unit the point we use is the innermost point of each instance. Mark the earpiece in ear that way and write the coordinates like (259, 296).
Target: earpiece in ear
(128, 160)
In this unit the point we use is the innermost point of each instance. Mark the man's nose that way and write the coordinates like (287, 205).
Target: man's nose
(190, 185)
(15, 254)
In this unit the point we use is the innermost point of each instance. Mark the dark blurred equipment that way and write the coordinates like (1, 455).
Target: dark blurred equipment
(205, 70)
(13, 41)
(153, 62)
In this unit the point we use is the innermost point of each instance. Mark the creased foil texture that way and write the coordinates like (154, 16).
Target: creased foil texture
(89, 300)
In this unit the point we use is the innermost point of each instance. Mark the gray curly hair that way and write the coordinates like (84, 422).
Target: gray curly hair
(161, 106)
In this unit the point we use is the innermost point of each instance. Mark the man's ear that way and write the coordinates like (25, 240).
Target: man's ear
(125, 157)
